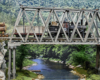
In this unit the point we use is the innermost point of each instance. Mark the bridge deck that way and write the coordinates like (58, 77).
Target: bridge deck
(47, 40)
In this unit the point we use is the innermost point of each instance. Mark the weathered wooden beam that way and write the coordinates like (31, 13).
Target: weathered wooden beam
(31, 27)
(45, 8)
(75, 28)
(14, 63)
(16, 23)
(9, 65)
(46, 26)
(90, 25)
(61, 27)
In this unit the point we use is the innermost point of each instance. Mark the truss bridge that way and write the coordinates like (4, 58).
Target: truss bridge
(60, 26)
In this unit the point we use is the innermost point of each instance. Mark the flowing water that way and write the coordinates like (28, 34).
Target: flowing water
(53, 71)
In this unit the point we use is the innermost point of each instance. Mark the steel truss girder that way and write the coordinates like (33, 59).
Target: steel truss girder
(66, 14)
(90, 25)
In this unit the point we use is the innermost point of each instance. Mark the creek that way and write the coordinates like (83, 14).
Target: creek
(53, 71)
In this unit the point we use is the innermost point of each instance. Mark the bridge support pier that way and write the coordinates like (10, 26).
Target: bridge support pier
(9, 65)
(98, 58)
(12, 71)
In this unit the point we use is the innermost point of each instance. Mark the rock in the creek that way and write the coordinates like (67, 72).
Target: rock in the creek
(36, 79)
(2, 75)
(78, 66)
(40, 76)
(74, 72)
(83, 79)
(70, 66)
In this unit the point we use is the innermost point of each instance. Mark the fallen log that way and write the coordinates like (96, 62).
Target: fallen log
(35, 70)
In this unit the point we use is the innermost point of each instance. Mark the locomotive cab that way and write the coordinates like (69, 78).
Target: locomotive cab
(53, 27)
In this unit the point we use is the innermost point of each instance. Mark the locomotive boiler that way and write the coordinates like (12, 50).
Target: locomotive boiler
(68, 28)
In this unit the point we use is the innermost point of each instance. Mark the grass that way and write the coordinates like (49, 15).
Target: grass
(25, 75)
(52, 59)
(28, 62)
(89, 74)
(81, 71)
(94, 77)
(45, 58)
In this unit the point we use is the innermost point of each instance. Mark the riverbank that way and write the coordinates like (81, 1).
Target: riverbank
(28, 63)
(25, 74)
(75, 70)
(78, 70)
(28, 75)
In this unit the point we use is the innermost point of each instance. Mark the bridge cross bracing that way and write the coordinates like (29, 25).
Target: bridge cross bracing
(91, 17)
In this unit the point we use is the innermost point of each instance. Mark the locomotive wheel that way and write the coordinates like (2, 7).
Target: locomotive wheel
(53, 35)
(89, 36)
(39, 35)
(17, 35)
(60, 35)
(77, 35)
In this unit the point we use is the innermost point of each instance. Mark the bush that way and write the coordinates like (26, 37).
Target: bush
(94, 77)
(77, 58)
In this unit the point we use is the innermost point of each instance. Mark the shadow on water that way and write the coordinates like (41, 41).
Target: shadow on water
(53, 71)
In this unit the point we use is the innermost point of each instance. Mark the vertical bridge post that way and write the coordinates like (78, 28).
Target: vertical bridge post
(14, 63)
(98, 58)
(9, 65)
(10, 69)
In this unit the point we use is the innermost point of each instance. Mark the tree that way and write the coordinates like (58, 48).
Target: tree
(21, 53)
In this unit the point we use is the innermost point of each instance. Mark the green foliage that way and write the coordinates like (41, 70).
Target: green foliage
(84, 55)
(79, 58)
(22, 52)
(25, 75)
(53, 59)
(93, 77)
(28, 62)
(36, 50)
(81, 71)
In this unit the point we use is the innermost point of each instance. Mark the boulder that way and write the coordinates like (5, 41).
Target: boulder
(2, 75)
(1, 59)
(79, 66)
(72, 67)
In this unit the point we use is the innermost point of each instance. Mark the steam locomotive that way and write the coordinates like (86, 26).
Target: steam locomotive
(68, 28)
(53, 28)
